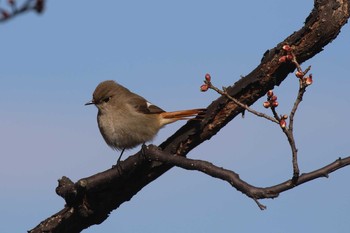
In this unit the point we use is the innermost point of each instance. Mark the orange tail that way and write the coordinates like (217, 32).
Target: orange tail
(169, 117)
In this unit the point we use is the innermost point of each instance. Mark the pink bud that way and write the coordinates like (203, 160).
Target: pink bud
(274, 104)
(282, 59)
(207, 77)
(287, 48)
(285, 116)
(283, 123)
(308, 80)
(267, 104)
(299, 74)
(289, 57)
(273, 98)
(269, 93)
(204, 87)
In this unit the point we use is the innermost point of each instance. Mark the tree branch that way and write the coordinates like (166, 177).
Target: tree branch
(15, 10)
(91, 199)
(153, 153)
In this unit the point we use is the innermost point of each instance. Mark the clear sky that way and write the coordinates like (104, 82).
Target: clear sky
(50, 65)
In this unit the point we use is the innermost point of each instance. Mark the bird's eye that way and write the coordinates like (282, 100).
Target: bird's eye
(106, 99)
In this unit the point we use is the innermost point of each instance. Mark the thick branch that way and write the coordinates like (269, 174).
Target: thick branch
(93, 198)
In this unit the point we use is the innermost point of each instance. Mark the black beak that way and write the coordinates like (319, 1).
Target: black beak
(89, 103)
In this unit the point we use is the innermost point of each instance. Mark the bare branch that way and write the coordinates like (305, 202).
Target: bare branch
(15, 10)
(153, 153)
(244, 106)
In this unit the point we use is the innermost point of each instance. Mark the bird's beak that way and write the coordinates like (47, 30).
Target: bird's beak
(90, 102)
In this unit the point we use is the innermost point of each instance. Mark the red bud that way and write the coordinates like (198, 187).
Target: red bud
(273, 98)
(287, 48)
(289, 57)
(282, 59)
(274, 103)
(204, 87)
(267, 104)
(299, 74)
(269, 93)
(308, 80)
(208, 77)
(283, 123)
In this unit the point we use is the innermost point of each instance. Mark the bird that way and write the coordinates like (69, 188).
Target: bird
(126, 119)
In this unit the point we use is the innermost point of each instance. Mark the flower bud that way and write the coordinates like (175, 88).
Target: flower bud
(285, 116)
(207, 77)
(204, 87)
(308, 80)
(299, 74)
(282, 59)
(269, 93)
(274, 104)
(273, 98)
(283, 123)
(266, 104)
(287, 48)
(289, 57)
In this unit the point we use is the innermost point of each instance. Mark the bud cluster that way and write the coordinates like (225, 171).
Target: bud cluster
(289, 56)
(283, 122)
(307, 80)
(207, 83)
(271, 100)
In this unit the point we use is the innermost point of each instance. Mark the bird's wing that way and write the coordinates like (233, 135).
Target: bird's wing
(143, 106)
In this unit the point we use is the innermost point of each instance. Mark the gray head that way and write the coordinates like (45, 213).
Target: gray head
(105, 91)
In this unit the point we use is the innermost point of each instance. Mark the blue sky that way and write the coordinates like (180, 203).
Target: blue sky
(51, 63)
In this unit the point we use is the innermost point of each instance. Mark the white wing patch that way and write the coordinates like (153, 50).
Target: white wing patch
(149, 104)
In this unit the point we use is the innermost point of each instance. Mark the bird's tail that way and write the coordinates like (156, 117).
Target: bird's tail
(169, 117)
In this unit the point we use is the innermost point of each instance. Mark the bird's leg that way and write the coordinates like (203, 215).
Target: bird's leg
(120, 156)
(143, 147)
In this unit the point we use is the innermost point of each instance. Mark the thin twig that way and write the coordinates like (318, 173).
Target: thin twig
(288, 131)
(246, 107)
(302, 90)
(261, 206)
(28, 5)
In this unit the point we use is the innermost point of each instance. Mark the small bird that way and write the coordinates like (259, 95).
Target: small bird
(127, 120)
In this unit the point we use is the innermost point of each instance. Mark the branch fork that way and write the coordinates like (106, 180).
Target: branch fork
(271, 102)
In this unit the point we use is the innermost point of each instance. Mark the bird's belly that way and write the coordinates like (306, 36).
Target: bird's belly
(125, 134)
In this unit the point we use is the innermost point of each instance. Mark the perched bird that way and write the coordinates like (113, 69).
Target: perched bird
(127, 120)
